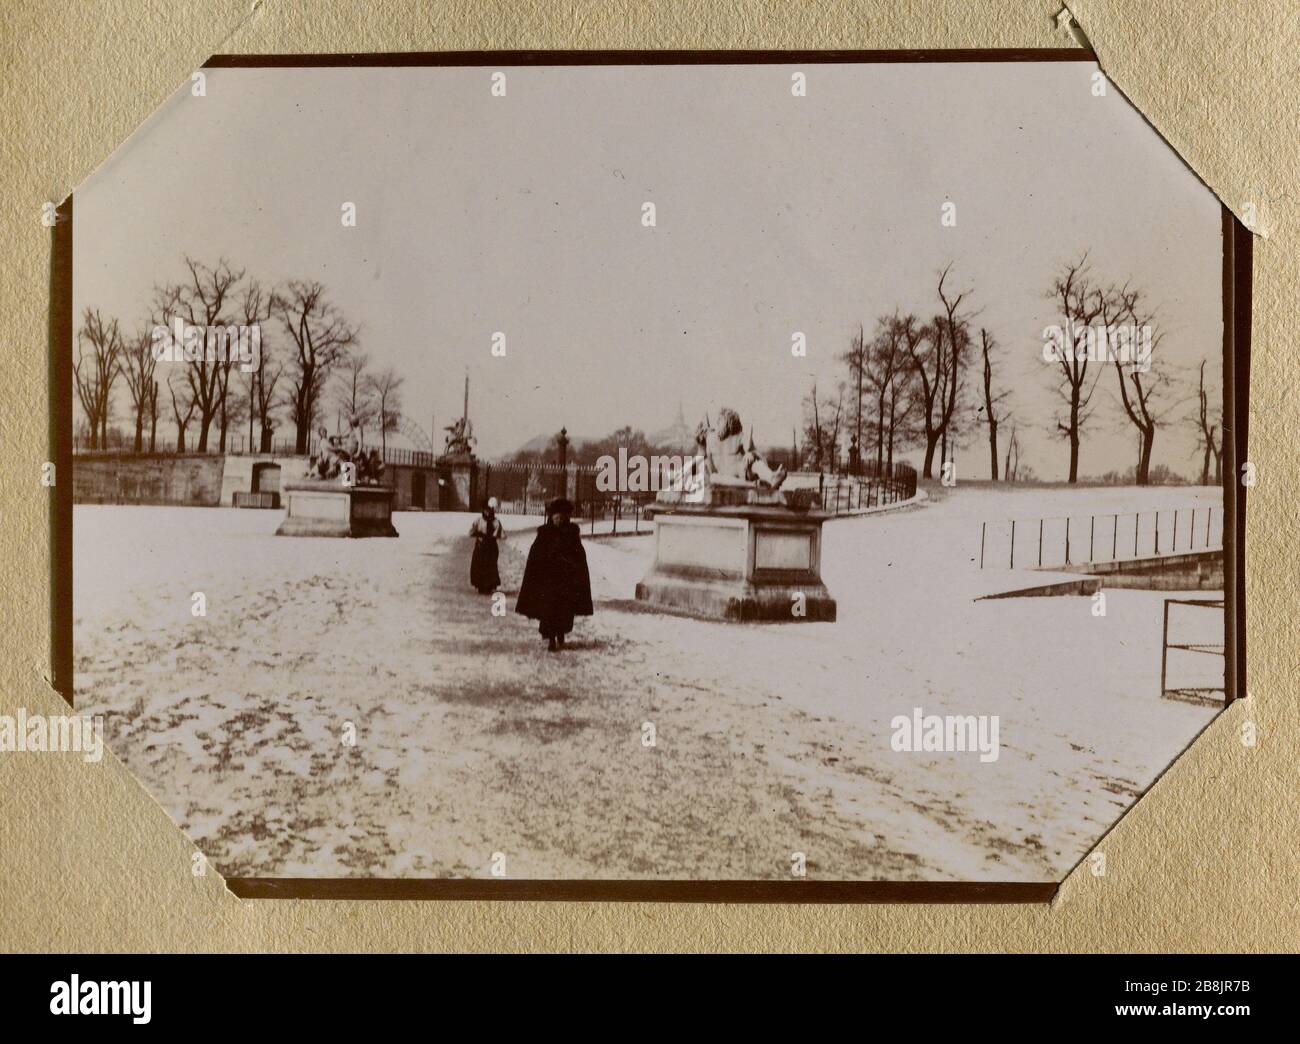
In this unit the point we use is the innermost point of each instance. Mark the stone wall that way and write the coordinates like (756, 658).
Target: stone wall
(1190, 571)
(212, 479)
(164, 478)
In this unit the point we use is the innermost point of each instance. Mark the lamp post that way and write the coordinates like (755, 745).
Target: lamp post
(562, 444)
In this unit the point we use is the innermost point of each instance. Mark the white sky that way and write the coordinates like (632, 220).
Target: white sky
(775, 214)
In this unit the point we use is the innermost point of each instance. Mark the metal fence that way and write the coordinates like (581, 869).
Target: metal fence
(845, 494)
(1064, 540)
(617, 515)
(524, 489)
(236, 446)
(239, 446)
(1214, 646)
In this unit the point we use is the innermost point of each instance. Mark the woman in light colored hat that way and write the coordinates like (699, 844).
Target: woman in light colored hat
(557, 586)
(487, 532)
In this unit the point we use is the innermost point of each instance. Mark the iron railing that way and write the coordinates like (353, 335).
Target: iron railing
(1063, 540)
(1191, 693)
(238, 446)
(845, 494)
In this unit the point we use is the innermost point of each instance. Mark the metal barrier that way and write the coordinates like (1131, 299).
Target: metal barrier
(237, 446)
(845, 494)
(1190, 693)
(1105, 538)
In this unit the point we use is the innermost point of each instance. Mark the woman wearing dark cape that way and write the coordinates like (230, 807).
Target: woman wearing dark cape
(487, 532)
(556, 586)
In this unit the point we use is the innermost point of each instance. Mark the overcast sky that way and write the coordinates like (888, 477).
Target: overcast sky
(775, 214)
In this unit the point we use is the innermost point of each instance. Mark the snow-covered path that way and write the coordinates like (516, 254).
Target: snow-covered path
(471, 739)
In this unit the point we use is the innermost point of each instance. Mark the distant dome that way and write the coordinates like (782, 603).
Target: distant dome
(677, 436)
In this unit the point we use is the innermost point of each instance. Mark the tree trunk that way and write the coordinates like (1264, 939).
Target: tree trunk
(931, 441)
(1074, 440)
(139, 429)
(1205, 465)
(1144, 461)
(993, 449)
(153, 430)
(880, 433)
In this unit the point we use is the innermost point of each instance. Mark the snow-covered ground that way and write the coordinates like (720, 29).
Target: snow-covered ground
(471, 739)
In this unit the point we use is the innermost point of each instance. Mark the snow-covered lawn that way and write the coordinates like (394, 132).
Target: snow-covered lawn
(471, 739)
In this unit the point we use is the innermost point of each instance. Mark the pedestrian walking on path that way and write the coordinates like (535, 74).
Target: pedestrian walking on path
(556, 585)
(487, 532)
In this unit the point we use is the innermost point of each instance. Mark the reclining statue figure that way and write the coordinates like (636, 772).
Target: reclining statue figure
(730, 461)
(329, 459)
(326, 462)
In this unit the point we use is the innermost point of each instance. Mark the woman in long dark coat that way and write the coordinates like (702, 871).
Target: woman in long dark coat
(487, 532)
(556, 586)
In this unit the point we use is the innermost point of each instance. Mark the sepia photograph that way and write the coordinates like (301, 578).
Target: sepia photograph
(651, 471)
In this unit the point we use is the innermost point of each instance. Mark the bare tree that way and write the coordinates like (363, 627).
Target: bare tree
(887, 364)
(95, 370)
(256, 306)
(957, 329)
(352, 387)
(822, 427)
(925, 344)
(937, 352)
(900, 428)
(833, 428)
(183, 406)
(992, 402)
(138, 368)
(1139, 391)
(202, 303)
(322, 339)
(268, 377)
(1079, 304)
(1011, 465)
(858, 359)
(152, 404)
(258, 393)
(386, 393)
(1209, 441)
(236, 407)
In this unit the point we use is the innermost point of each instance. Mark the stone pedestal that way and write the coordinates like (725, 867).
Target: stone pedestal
(739, 562)
(457, 474)
(327, 508)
